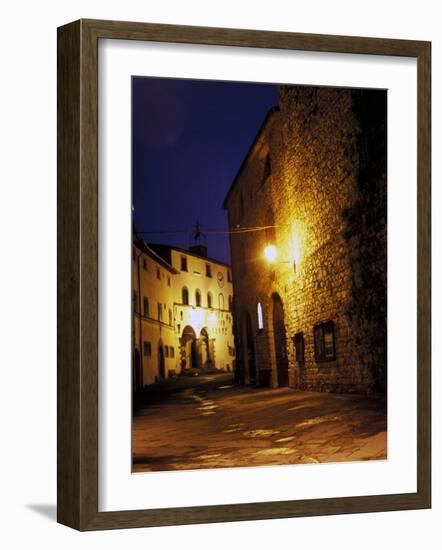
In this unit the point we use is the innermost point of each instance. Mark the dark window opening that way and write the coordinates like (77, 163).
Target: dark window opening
(209, 300)
(325, 348)
(147, 349)
(299, 346)
(267, 169)
(185, 296)
(183, 263)
(144, 264)
(146, 307)
(160, 312)
(208, 270)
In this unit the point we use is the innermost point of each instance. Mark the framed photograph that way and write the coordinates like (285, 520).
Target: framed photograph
(243, 275)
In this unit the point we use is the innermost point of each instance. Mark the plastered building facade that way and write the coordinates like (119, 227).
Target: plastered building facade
(310, 283)
(182, 304)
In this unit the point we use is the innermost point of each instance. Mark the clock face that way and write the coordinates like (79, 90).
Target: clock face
(220, 278)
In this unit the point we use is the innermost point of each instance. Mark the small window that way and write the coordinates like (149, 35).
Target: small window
(229, 276)
(324, 335)
(160, 312)
(172, 351)
(166, 351)
(158, 273)
(221, 301)
(260, 318)
(170, 317)
(267, 169)
(298, 340)
(135, 304)
(168, 281)
(144, 264)
(209, 300)
(145, 307)
(230, 303)
(183, 263)
(147, 349)
(185, 296)
(208, 270)
(198, 298)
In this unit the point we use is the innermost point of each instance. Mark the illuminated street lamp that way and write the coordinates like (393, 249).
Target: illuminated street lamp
(271, 253)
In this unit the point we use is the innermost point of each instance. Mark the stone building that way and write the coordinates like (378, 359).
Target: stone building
(307, 212)
(154, 341)
(182, 312)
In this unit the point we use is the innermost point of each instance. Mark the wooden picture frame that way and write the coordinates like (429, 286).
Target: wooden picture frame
(78, 274)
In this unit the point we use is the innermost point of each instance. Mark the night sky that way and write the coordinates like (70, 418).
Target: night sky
(189, 140)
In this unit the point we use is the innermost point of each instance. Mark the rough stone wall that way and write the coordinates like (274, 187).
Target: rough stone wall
(318, 170)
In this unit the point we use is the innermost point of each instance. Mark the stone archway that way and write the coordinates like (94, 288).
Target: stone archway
(280, 342)
(188, 351)
(204, 348)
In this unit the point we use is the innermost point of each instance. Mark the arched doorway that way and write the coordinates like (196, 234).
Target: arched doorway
(205, 354)
(279, 336)
(137, 378)
(250, 349)
(161, 362)
(188, 349)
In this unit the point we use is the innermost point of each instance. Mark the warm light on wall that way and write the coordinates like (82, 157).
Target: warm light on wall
(296, 252)
(196, 318)
(297, 244)
(270, 253)
(212, 319)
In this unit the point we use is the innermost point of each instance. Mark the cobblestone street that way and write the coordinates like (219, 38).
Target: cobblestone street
(208, 422)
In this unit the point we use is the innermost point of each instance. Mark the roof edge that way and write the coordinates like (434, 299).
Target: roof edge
(185, 251)
(142, 245)
(269, 115)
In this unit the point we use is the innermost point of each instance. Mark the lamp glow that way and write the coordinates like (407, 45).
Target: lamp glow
(270, 252)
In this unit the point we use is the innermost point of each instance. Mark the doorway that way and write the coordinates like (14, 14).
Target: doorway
(279, 335)
(206, 359)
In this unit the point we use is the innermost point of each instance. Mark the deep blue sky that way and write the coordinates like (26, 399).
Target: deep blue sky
(189, 140)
